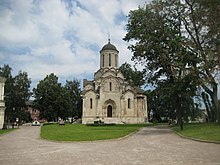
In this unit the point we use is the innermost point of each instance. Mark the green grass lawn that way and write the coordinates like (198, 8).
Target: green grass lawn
(80, 132)
(204, 131)
(6, 130)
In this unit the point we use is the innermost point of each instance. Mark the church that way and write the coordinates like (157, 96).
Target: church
(109, 98)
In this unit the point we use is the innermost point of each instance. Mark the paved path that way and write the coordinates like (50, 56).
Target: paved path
(151, 145)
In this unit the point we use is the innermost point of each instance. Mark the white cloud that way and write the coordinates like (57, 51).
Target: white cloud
(41, 37)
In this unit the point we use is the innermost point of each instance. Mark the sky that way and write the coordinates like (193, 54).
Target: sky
(63, 37)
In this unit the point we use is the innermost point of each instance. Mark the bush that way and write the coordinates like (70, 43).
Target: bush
(49, 123)
(101, 124)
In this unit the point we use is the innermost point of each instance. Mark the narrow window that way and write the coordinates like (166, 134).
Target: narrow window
(90, 103)
(109, 111)
(116, 61)
(110, 59)
(129, 103)
(110, 86)
(103, 60)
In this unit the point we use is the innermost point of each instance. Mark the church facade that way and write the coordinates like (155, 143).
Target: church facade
(2, 102)
(109, 98)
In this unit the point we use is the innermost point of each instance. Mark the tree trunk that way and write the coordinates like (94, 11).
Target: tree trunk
(179, 112)
(207, 105)
(215, 101)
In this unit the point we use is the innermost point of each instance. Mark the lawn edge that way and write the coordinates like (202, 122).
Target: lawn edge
(91, 141)
(9, 132)
(195, 139)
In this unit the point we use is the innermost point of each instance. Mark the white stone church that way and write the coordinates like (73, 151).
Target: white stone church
(109, 97)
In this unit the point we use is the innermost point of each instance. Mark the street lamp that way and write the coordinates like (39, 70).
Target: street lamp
(17, 121)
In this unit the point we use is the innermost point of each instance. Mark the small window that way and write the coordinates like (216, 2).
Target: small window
(116, 61)
(110, 59)
(129, 103)
(110, 86)
(103, 60)
(90, 103)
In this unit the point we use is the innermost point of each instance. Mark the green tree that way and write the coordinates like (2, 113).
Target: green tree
(74, 95)
(135, 77)
(17, 92)
(51, 98)
(160, 104)
(201, 19)
(160, 47)
(21, 91)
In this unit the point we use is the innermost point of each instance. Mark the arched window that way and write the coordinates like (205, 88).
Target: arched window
(129, 103)
(110, 59)
(110, 86)
(103, 60)
(90, 103)
(116, 61)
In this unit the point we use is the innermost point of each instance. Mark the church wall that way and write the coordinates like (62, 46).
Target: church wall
(89, 104)
(106, 99)
(2, 114)
(110, 91)
(2, 102)
(129, 103)
(1, 91)
(140, 107)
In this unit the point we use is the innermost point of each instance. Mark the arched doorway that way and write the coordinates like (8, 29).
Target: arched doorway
(109, 108)
(109, 111)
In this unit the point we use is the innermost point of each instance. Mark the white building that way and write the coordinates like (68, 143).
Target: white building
(2, 102)
(109, 97)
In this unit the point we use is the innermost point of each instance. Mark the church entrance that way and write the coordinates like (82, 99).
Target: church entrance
(109, 111)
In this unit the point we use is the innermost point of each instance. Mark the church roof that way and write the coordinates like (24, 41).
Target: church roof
(109, 46)
(139, 90)
(86, 82)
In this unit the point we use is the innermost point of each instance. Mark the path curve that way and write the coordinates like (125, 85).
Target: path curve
(151, 145)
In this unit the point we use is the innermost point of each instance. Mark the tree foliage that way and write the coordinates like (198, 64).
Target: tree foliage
(54, 101)
(17, 92)
(48, 96)
(178, 42)
(201, 21)
(135, 77)
(74, 94)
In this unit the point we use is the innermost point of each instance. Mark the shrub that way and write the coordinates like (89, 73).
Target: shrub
(100, 124)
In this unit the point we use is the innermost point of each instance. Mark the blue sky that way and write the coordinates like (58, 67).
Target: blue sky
(61, 36)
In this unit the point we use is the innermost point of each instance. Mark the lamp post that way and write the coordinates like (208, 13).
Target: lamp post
(13, 117)
(17, 121)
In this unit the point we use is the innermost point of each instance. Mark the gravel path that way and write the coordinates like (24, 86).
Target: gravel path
(151, 145)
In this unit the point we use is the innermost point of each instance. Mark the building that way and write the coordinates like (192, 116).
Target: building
(33, 111)
(2, 102)
(109, 97)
